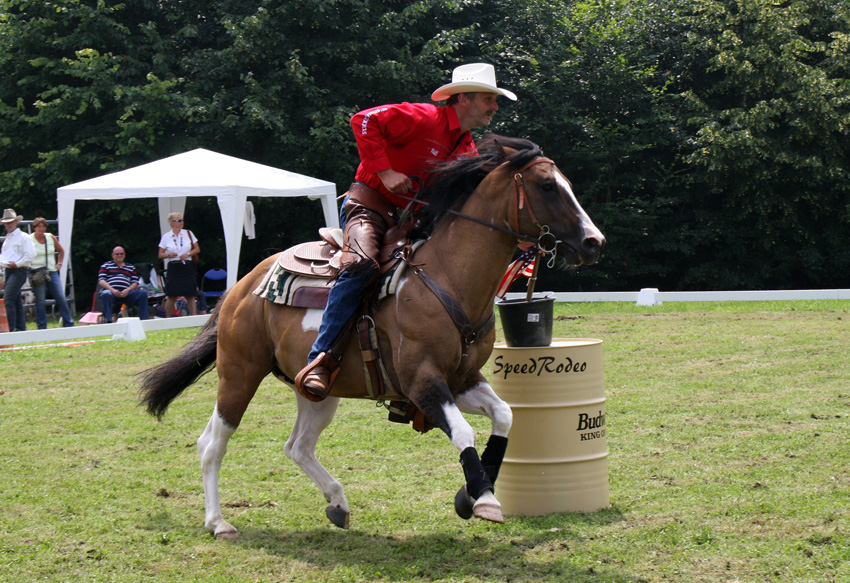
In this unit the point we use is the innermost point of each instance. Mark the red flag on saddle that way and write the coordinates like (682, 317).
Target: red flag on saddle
(522, 266)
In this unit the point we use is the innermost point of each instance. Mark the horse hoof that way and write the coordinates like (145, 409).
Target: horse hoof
(230, 535)
(463, 503)
(489, 511)
(221, 529)
(338, 516)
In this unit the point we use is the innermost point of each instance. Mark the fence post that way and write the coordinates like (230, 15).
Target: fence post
(646, 297)
(134, 331)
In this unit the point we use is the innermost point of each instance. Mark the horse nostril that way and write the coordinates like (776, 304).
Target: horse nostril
(593, 245)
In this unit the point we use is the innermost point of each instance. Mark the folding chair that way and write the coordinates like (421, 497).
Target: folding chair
(214, 275)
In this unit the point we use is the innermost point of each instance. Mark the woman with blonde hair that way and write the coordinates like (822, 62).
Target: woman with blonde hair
(177, 248)
(47, 247)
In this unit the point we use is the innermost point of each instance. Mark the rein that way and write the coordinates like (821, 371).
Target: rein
(521, 201)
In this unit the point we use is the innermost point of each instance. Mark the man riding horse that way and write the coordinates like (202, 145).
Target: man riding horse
(395, 143)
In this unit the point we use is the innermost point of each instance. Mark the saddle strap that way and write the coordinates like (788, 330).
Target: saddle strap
(468, 333)
(378, 382)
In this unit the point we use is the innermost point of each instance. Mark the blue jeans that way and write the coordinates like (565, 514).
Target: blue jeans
(15, 280)
(40, 291)
(343, 301)
(342, 213)
(137, 297)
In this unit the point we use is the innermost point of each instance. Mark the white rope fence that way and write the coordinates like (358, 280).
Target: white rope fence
(124, 329)
(653, 297)
(131, 329)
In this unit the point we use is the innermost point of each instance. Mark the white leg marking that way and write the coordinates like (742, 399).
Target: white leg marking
(312, 419)
(462, 434)
(488, 508)
(312, 320)
(212, 445)
(483, 400)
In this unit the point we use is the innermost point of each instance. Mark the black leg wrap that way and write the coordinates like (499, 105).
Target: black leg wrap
(476, 478)
(493, 455)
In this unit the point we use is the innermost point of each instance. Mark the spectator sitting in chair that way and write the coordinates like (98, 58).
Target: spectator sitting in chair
(120, 283)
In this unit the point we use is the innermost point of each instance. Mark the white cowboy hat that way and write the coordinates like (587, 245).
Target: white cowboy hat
(10, 215)
(472, 78)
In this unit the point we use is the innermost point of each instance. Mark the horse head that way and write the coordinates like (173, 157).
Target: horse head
(545, 209)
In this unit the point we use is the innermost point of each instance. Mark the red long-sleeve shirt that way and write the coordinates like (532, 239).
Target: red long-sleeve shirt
(407, 137)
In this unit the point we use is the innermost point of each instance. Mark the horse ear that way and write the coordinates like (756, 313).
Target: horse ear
(503, 151)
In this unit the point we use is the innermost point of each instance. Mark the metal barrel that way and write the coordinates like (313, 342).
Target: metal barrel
(557, 455)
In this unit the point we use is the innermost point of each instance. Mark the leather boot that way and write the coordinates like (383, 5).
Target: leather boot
(314, 380)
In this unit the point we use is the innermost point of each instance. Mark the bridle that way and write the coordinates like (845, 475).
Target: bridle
(471, 333)
(521, 201)
(545, 241)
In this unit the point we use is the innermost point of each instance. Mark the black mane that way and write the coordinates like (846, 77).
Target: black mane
(452, 182)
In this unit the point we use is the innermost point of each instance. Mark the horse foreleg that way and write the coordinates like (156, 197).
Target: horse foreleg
(482, 400)
(313, 418)
(212, 445)
(443, 410)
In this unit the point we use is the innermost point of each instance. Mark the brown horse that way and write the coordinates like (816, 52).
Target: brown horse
(480, 208)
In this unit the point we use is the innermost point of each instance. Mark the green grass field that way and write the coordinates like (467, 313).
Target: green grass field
(729, 461)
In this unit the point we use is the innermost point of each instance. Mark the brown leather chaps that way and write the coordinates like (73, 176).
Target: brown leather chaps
(368, 215)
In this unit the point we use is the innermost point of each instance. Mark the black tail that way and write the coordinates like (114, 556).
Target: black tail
(163, 383)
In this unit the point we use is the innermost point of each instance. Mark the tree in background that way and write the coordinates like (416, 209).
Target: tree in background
(766, 104)
(593, 80)
(707, 138)
(91, 88)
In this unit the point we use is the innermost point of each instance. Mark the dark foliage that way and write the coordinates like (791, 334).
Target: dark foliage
(707, 139)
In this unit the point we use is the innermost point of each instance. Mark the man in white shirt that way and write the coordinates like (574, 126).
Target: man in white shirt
(16, 256)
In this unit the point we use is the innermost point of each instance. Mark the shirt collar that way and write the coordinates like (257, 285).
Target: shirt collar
(451, 115)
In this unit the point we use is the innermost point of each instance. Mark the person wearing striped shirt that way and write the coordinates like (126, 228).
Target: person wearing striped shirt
(119, 283)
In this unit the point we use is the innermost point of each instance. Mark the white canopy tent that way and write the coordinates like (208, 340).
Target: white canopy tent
(197, 173)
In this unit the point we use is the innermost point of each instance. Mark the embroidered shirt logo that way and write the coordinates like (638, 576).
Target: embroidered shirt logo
(364, 125)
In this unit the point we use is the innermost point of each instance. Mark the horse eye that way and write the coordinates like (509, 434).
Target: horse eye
(548, 186)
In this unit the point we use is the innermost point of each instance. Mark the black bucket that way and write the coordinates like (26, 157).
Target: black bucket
(527, 322)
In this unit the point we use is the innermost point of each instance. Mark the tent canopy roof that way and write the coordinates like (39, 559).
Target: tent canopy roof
(197, 173)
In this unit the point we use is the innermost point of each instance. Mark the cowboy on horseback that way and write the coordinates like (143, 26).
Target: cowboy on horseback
(396, 143)
(479, 207)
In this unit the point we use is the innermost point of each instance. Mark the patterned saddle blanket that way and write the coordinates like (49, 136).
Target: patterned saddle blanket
(281, 286)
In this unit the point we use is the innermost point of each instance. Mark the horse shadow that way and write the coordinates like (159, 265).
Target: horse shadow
(530, 556)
